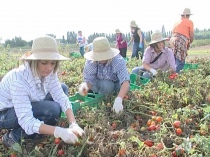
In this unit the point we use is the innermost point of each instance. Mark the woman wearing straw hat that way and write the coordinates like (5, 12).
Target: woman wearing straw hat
(31, 97)
(137, 39)
(156, 56)
(105, 72)
(182, 37)
(121, 43)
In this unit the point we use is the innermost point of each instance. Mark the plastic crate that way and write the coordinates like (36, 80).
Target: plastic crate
(126, 59)
(75, 107)
(134, 87)
(194, 66)
(133, 78)
(142, 80)
(78, 101)
(188, 66)
(74, 54)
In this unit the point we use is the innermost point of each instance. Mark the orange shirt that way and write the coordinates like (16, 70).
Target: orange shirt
(184, 26)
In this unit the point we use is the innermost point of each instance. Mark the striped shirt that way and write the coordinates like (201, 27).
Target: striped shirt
(116, 70)
(19, 88)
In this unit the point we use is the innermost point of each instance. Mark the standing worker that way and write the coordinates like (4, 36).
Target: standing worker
(182, 37)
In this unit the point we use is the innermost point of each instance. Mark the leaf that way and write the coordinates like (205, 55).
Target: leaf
(17, 148)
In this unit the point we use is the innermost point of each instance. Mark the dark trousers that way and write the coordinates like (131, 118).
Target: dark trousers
(123, 52)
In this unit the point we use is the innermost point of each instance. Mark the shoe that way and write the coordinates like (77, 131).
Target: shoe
(7, 141)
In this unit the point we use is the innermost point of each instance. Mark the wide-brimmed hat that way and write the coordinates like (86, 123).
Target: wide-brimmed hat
(117, 31)
(133, 24)
(44, 48)
(186, 11)
(157, 37)
(101, 50)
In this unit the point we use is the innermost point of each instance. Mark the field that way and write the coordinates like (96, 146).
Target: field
(167, 117)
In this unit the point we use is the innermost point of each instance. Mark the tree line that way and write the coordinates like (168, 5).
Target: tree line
(71, 37)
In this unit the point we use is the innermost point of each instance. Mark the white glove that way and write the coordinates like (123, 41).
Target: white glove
(66, 134)
(76, 129)
(83, 89)
(118, 105)
(153, 71)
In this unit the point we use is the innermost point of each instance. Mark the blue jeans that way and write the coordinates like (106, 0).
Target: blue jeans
(136, 49)
(105, 87)
(143, 72)
(46, 110)
(82, 51)
(179, 65)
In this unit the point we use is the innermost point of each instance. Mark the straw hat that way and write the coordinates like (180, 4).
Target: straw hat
(44, 48)
(186, 12)
(101, 50)
(117, 31)
(89, 47)
(133, 24)
(157, 37)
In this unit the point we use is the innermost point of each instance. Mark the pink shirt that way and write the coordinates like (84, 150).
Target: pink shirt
(164, 62)
(119, 39)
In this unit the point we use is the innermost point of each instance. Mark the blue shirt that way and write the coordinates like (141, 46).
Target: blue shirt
(115, 70)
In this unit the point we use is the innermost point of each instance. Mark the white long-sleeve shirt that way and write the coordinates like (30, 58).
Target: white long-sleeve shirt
(19, 88)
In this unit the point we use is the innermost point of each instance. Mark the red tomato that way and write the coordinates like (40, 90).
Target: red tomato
(114, 125)
(179, 131)
(57, 140)
(160, 146)
(13, 155)
(153, 155)
(151, 127)
(60, 152)
(177, 124)
(159, 119)
(149, 143)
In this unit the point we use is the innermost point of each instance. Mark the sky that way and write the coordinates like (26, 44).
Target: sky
(33, 18)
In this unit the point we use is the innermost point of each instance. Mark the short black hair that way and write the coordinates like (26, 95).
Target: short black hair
(79, 31)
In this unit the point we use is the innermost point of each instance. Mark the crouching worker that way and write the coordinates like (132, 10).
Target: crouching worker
(156, 56)
(32, 98)
(105, 72)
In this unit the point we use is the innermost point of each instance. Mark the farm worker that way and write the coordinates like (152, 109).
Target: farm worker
(81, 41)
(31, 97)
(156, 56)
(121, 43)
(89, 47)
(105, 72)
(182, 37)
(137, 39)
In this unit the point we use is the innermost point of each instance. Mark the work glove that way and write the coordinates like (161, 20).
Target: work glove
(118, 106)
(153, 71)
(66, 134)
(76, 129)
(83, 89)
(140, 45)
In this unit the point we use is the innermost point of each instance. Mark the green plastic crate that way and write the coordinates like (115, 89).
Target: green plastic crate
(78, 101)
(133, 87)
(142, 80)
(133, 78)
(194, 66)
(74, 54)
(126, 59)
(188, 66)
(75, 107)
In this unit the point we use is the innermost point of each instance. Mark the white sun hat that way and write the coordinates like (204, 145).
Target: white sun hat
(44, 48)
(101, 50)
(186, 11)
(157, 37)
